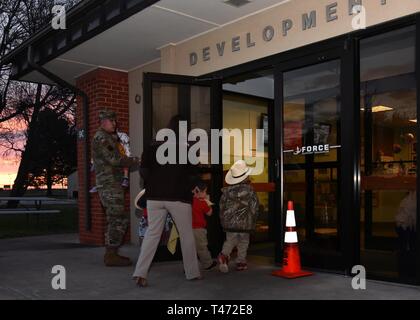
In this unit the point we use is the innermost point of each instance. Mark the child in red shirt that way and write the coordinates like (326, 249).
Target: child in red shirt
(201, 208)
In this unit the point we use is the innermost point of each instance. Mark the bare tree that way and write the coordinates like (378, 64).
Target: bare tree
(20, 101)
(11, 34)
(19, 20)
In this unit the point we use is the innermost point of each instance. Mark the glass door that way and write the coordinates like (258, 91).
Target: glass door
(312, 153)
(388, 114)
(199, 101)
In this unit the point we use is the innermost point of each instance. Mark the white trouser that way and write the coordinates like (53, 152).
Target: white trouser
(182, 216)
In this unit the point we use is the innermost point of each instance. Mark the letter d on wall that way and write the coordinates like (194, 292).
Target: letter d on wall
(58, 281)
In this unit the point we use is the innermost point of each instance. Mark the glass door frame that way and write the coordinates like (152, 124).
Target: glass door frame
(349, 203)
(412, 20)
(417, 72)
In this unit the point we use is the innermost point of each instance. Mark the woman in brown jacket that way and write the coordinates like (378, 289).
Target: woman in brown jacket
(168, 190)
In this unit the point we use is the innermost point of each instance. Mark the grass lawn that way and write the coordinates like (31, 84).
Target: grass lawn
(12, 226)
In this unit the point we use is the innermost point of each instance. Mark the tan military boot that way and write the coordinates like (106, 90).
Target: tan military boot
(127, 258)
(112, 259)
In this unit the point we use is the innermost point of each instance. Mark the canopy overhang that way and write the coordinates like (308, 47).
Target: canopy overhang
(121, 34)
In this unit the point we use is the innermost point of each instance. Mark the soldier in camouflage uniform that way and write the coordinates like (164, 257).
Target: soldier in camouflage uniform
(109, 164)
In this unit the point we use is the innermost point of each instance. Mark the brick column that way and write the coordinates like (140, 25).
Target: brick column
(105, 88)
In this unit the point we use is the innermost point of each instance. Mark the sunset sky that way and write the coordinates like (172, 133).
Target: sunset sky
(8, 170)
(9, 164)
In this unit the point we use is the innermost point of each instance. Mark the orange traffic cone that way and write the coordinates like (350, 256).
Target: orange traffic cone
(291, 257)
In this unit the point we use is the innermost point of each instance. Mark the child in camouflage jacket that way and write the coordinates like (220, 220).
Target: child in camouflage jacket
(238, 215)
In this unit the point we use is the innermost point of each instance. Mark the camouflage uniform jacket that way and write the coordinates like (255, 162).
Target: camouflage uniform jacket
(239, 208)
(107, 159)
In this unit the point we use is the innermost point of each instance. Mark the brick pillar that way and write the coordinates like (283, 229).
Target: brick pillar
(105, 88)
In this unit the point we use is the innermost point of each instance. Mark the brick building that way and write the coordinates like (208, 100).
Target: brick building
(338, 77)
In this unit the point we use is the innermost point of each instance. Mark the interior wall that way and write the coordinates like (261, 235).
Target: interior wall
(250, 111)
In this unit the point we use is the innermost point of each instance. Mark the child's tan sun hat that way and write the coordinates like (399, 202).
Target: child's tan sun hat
(238, 172)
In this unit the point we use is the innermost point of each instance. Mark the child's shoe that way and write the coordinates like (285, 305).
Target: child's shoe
(241, 266)
(125, 183)
(223, 263)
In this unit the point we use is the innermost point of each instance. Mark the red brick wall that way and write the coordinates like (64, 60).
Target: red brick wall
(105, 88)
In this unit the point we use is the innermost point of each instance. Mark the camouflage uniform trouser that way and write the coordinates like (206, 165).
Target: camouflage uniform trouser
(240, 240)
(112, 200)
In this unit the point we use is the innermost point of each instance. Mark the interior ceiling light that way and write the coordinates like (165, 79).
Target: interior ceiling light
(413, 120)
(381, 108)
(237, 3)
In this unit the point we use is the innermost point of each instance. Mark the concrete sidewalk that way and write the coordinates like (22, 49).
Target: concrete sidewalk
(25, 273)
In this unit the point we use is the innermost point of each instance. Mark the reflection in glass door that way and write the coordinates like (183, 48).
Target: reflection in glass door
(198, 102)
(389, 155)
(311, 147)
